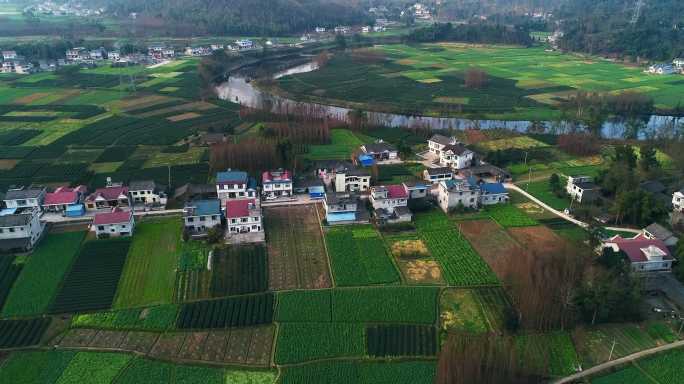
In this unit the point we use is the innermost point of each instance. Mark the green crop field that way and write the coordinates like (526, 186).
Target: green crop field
(462, 266)
(46, 367)
(373, 304)
(150, 272)
(550, 353)
(542, 191)
(343, 143)
(523, 83)
(509, 216)
(361, 372)
(158, 318)
(39, 280)
(94, 367)
(300, 342)
(664, 368)
(358, 257)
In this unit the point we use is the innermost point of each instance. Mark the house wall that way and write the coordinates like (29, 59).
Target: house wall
(344, 183)
(448, 200)
(417, 193)
(234, 191)
(435, 148)
(435, 179)
(23, 203)
(33, 230)
(494, 199)
(652, 266)
(202, 223)
(147, 197)
(116, 230)
(277, 189)
(678, 201)
(245, 224)
(456, 161)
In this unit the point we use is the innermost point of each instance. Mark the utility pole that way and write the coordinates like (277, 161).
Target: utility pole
(611, 351)
(169, 167)
(681, 325)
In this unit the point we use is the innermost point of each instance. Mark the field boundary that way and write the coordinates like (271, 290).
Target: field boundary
(618, 362)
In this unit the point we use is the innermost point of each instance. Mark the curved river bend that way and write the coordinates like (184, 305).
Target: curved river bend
(240, 89)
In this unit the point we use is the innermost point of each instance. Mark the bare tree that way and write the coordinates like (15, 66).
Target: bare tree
(475, 78)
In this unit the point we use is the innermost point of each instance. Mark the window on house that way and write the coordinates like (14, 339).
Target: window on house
(191, 219)
(243, 220)
(2, 230)
(101, 228)
(233, 221)
(11, 230)
(202, 218)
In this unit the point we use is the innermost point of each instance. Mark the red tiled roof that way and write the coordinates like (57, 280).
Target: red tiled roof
(632, 247)
(114, 217)
(63, 197)
(396, 192)
(269, 176)
(111, 193)
(238, 208)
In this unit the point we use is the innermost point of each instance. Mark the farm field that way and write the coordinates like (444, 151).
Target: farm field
(358, 257)
(524, 83)
(40, 278)
(461, 265)
(343, 143)
(64, 367)
(239, 270)
(92, 281)
(362, 372)
(296, 250)
(158, 318)
(473, 310)
(490, 241)
(538, 238)
(149, 275)
(414, 261)
(659, 369)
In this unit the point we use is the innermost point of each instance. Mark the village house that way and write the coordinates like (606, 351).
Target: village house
(379, 28)
(114, 55)
(437, 143)
(662, 69)
(437, 175)
(244, 44)
(416, 189)
(63, 198)
(456, 156)
(243, 216)
(18, 66)
(77, 54)
(341, 176)
(25, 198)
(108, 197)
(320, 30)
(493, 193)
(380, 151)
(98, 54)
(342, 29)
(657, 231)
(197, 51)
(116, 223)
(458, 193)
(366, 29)
(20, 228)
(390, 204)
(147, 192)
(217, 47)
(201, 215)
(341, 208)
(678, 201)
(582, 189)
(160, 52)
(644, 254)
(276, 183)
(9, 55)
(231, 185)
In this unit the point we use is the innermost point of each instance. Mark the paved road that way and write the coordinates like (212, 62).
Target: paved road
(617, 362)
(569, 218)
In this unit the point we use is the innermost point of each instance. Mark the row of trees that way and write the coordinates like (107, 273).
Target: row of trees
(471, 33)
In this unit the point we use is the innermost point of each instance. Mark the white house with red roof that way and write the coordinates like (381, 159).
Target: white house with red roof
(391, 203)
(63, 197)
(115, 223)
(108, 197)
(644, 254)
(276, 183)
(243, 216)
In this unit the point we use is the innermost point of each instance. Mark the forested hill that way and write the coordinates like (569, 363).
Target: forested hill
(604, 27)
(268, 17)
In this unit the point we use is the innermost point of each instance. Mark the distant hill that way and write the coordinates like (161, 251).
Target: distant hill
(250, 17)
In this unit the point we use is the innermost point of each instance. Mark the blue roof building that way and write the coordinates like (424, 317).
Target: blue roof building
(493, 193)
(201, 215)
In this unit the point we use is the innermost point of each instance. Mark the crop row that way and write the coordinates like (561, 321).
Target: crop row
(157, 318)
(301, 342)
(361, 372)
(239, 270)
(51, 112)
(401, 340)
(21, 333)
(462, 266)
(377, 304)
(8, 274)
(510, 216)
(18, 136)
(359, 257)
(91, 284)
(240, 311)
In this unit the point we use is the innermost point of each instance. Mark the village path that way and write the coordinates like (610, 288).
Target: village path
(613, 363)
(563, 215)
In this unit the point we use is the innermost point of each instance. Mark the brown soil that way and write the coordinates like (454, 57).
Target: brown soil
(184, 116)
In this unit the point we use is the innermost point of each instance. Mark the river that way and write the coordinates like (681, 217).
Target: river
(240, 89)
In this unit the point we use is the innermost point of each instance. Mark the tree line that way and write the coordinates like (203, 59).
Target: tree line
(471, 33)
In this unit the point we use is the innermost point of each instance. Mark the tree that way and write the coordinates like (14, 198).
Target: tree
(341, 41)
(214, 235)
(475, 78)
(555, 184)
(648, 162)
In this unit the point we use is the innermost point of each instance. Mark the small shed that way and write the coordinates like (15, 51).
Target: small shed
(366, 160)
(75, 210)
(317, 192)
